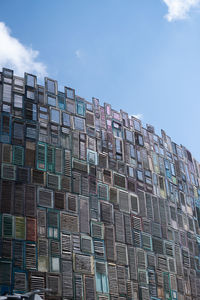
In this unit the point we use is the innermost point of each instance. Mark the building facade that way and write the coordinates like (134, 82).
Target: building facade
(92, 204)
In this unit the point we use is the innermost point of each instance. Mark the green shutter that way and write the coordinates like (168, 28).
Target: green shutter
(7, 226)
(41, 156)
(20, 226)
(18, 155)
(50, 159)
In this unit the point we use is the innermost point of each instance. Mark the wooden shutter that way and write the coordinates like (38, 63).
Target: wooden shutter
(121, 276)
(59, 201)
(45, 197)
(112, 278)
(18, 254)
(41, 222)
(53, 181)
(50, 158)
(67, 283)
(83, 263)
(85, 186)
(84, 215)
(58, 160)
(124, 201)
(30, 256)
(19, 199)
(5, 273)
(38, 177)
(67, 163)
(20, 281)
(18, 155)
(66, 245)
(119, 227)
(30, 154)
(78, 287)
(89, 288)
(121, 251)
(7, 222)
(119, 180)
(106, 212)
(6, 153)
(110, 243)
(20, 228)
(8, 172)
(41, 156)
(128, 231)
(30, 201)
(31, 229)
(76, 183)
(69, 223)
(86, 244)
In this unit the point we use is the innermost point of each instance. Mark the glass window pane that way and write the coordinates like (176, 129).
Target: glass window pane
(55, 116)
(70, 93)
(66, 120)
(18, 101)
(79, 123)
(51, 101)
(51, 86)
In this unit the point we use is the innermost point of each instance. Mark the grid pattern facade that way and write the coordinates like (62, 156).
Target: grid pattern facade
(92, 204)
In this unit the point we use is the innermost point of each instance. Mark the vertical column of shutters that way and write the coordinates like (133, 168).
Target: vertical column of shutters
(110, 243)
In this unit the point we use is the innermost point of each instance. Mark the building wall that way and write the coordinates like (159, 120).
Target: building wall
(92, 205)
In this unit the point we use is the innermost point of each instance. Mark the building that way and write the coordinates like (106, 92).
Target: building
(93, 205)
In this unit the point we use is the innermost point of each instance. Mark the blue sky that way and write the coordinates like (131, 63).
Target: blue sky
(142, 56)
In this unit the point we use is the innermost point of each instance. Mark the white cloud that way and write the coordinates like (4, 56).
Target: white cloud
(78, 53)
(138, 116)
(179, 9)
(18, 57)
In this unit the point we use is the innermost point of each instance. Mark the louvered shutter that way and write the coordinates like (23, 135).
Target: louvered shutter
(19, 199)
(75, 144)
(121, 251)
(30, 154)
(67, 283)
(136, 222)
(69, 223)
(41, 156)
(156, 210)
(128, 230)
(97, 230)
(5, 273)
(30, 201)
(149, 207)
(162, 263)
(6, 153)
(41, 222)
(67, 164)
(78, 287)
(66, 183)
(20, 228)
(94, 207)
(112, 278)
(121, 276)
(66, 245)
(45, 197)
(7, 222)
(99, 249)
(37, 281)
(59, 201)
(162, 211)
(144, 293)
(92, 185)
(31, 229)
(179, 267)
(134, 203)
(30, 256)
(53, 181)
(110, 243)
(84, 215)
(85, 186)
(18, 254)
(83, 263)
(86, 244)
(146, 241)
(89, 287)
(124, 201)
(132, 263)
(6, 246)
(156, 230)
(50, 159)
(54, 283)
(119, 180)
(6, 196)
(20, 282)
(151, 260)
(142, 203)
(119, 227)
(38, 177)
(157, 245)
(106, 212)
(18, 155)
(23, 175)
(58, 160)
(76, 183)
